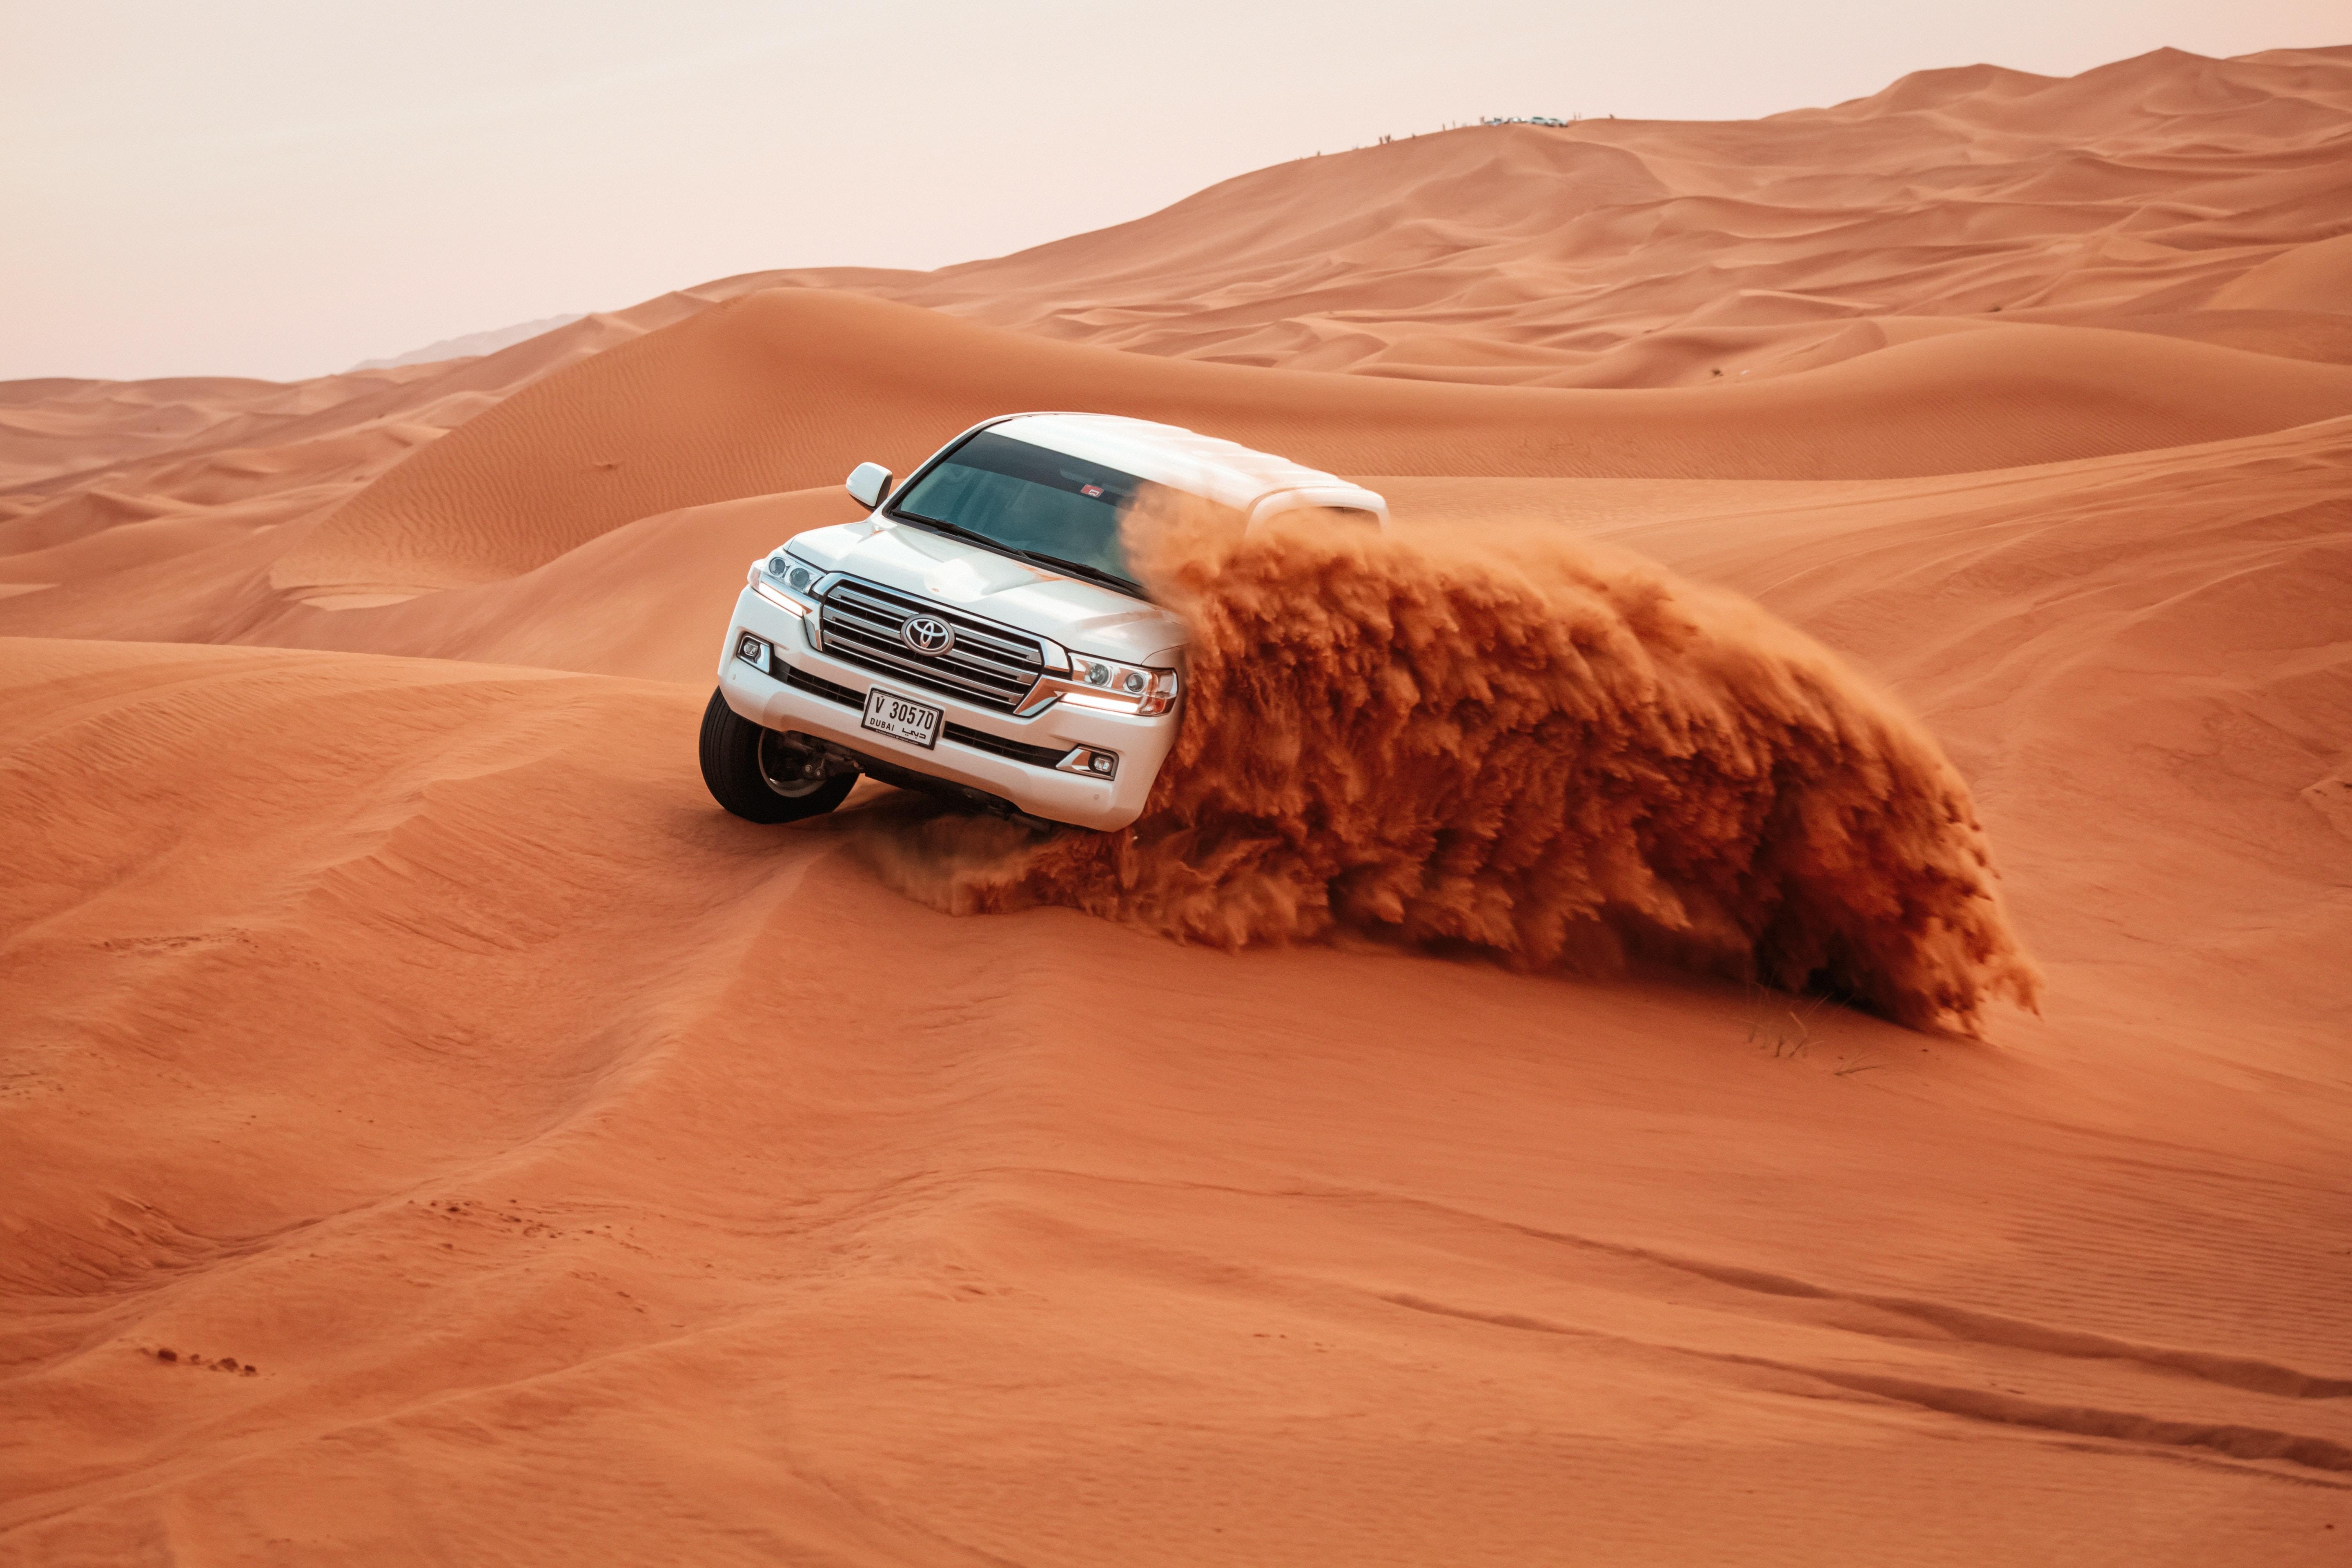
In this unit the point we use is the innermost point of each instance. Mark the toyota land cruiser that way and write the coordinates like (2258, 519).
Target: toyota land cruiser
(981, 634)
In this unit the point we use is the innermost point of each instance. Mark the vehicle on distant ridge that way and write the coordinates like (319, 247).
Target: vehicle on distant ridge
(981, 633)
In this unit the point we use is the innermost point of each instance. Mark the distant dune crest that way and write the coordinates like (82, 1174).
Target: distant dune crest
(473, 343)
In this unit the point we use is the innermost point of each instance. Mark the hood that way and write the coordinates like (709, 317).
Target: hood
(1082, 616)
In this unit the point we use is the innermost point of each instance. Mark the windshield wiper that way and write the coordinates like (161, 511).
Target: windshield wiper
(959, 530)
(1037, 557)
(1082, 569)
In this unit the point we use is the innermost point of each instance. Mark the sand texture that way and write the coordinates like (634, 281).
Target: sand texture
(1902, 550)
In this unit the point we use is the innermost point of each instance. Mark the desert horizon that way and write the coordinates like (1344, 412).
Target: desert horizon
(1763, 973)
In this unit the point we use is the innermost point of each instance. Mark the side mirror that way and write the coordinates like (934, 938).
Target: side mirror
(869, 482)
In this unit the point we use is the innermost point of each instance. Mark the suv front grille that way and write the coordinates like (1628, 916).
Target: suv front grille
(992, 664)
(963, 734)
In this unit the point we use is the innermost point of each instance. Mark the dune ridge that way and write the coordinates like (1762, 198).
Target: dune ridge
(787, 389)
(1632, 253)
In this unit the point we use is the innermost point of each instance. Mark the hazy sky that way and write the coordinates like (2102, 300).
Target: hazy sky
(281, 189)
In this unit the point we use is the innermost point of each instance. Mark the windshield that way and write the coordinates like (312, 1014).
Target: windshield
(1045, 504)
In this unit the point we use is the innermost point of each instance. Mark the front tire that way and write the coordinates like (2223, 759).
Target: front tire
(753, 773)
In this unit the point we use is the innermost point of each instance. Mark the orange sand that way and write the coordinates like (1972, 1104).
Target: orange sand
(573, 1173)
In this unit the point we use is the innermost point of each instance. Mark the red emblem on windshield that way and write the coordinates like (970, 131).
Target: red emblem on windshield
(1090, 489)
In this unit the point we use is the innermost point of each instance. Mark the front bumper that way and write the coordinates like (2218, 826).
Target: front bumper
(1035, 786)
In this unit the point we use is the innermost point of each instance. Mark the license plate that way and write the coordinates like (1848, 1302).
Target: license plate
(907, 720)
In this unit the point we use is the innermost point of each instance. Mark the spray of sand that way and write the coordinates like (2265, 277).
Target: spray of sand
(1541, 749)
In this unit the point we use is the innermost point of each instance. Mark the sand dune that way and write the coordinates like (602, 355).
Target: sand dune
(1608, 254)
(2314, 277)
(72, 449)
(435, 1131)
(473, 346)
(786, 389)
(1953, 193)
(617, 1258)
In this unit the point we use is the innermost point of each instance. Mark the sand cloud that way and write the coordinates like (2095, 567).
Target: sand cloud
(1539, 748)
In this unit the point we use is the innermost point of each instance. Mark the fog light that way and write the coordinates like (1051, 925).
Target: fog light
(1101, 763)
(753, 651)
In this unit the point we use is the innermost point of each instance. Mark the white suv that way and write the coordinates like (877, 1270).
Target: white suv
(981, 634)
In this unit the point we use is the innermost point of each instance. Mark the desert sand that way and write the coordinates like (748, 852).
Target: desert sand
(435, 1132)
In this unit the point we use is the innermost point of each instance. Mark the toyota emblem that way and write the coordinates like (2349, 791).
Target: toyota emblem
(926, 634)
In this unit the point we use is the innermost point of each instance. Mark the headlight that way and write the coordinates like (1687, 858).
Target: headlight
(1120, 688)
(787, 580)
(797, 575)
